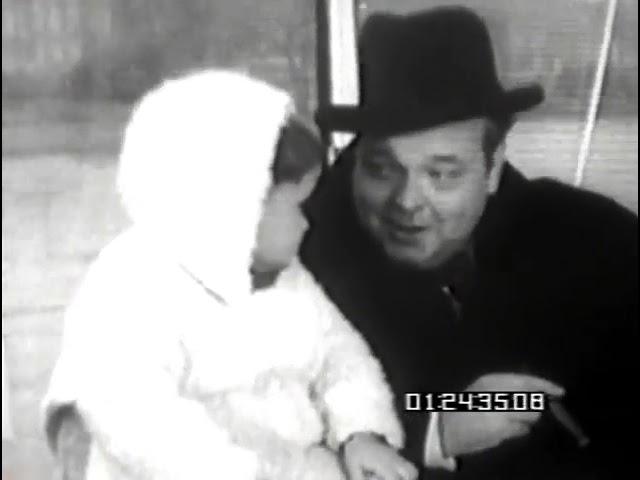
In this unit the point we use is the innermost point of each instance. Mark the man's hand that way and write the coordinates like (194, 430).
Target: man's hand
(367, 457)
(468, 432)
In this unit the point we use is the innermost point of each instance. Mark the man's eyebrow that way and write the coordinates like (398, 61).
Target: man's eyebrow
(444, 158)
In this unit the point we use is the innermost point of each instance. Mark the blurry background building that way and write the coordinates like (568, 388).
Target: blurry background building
(71, 70)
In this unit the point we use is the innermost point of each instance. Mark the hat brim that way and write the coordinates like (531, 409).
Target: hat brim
(406, 119)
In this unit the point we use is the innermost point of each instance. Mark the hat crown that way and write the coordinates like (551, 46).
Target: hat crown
(427, 60)
(426, 69)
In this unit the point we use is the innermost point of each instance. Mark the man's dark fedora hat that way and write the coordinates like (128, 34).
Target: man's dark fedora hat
(422, 70)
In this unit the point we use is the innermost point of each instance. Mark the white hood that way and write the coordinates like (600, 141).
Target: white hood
(195, 168)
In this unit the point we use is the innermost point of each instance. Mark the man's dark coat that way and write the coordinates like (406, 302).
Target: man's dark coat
(551, 289)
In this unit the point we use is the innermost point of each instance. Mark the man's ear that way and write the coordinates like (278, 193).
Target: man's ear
(497, 164)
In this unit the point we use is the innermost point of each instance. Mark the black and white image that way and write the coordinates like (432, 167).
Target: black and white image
(319, 239)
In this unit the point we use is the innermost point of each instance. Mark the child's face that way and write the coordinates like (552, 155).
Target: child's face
(283, 224)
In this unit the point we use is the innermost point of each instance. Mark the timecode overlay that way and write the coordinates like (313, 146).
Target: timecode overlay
(475, 402)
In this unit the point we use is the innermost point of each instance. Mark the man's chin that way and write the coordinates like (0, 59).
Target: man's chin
(408, 257)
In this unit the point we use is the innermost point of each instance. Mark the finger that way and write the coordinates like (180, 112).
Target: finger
(392, 474)
(384, 472)
(525, 382)
(532, 383)
(355, 470)
(404, 467)
(517, 429)
(526, 417)
(407, 471)
(373, 476)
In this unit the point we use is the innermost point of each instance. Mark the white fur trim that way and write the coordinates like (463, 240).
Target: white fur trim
(195, 168)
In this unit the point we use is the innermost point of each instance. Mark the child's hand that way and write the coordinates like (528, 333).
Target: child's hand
(322, 464)
(366, 457)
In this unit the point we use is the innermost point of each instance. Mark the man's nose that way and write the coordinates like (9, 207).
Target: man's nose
(410, 196)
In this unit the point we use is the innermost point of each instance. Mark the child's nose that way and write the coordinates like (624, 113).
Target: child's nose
(304, 223)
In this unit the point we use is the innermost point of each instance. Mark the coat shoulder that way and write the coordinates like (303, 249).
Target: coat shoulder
(573, 217)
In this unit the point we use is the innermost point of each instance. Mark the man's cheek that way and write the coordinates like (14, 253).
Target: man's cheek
(460, 221)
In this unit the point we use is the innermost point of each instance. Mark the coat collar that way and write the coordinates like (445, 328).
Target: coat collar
(494, 233)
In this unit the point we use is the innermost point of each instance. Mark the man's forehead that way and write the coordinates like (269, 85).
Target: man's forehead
(442, 140)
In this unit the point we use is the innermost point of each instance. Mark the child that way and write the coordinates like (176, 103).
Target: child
(198, 347)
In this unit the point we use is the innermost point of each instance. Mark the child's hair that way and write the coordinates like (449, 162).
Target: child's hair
(299, 151)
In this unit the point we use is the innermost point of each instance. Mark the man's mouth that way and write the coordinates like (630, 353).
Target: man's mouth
(404, 229)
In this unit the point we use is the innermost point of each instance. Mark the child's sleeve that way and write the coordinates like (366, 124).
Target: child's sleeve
(351, 387)
(123, 373)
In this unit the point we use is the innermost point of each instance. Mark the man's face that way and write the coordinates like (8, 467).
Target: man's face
(421, 194)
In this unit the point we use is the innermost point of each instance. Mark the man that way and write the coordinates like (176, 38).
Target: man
(465, 276)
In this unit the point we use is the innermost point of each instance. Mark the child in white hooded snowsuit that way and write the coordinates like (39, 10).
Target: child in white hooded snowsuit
(180, 367)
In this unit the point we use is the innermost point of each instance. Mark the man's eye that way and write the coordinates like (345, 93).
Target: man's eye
(446, 177)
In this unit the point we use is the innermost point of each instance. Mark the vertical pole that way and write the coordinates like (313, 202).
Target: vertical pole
(596, 94)
(323, 78)
(337, 61)
(7, 429)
